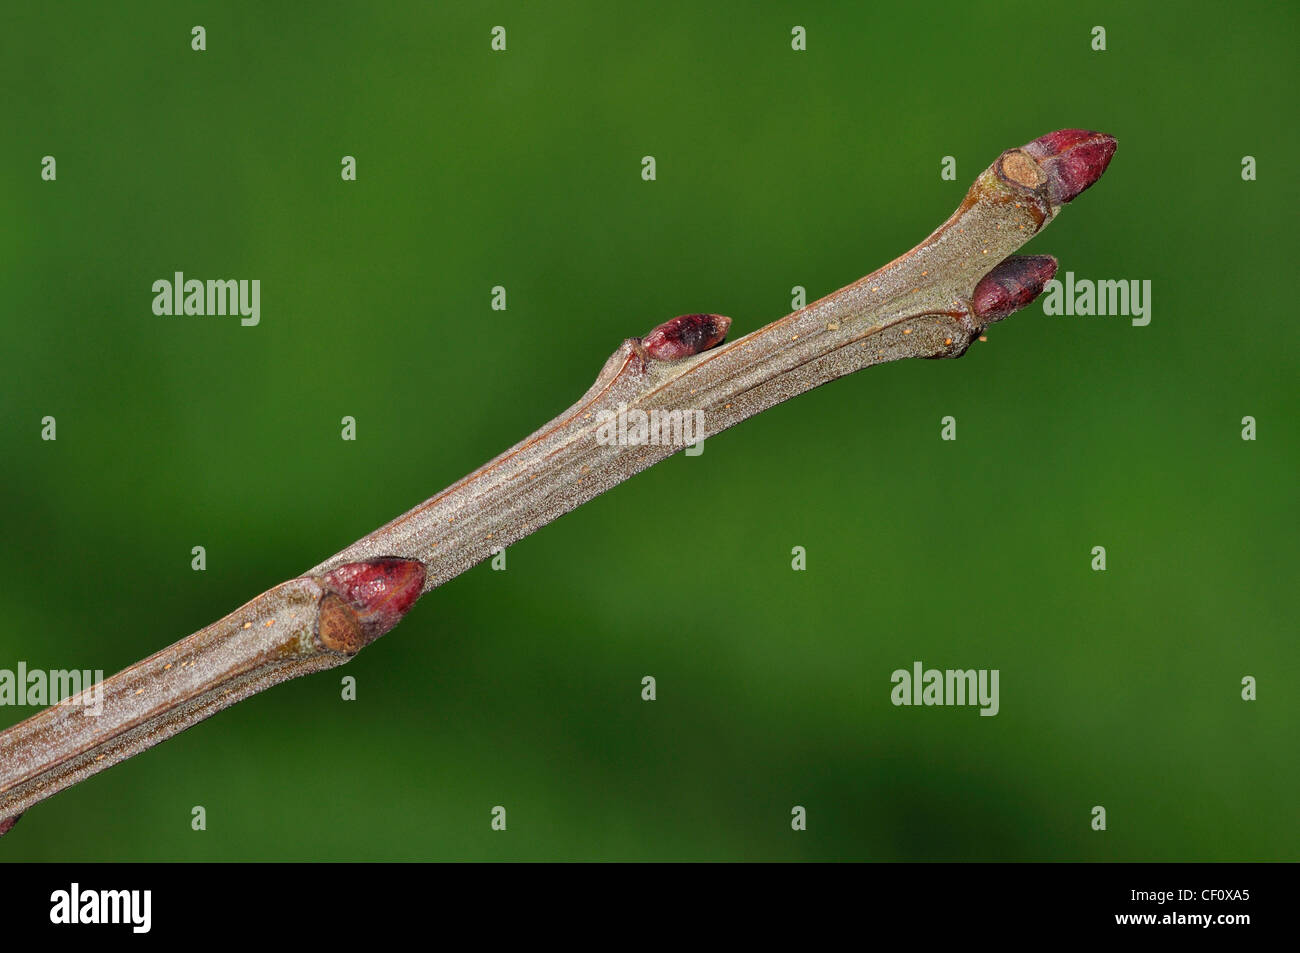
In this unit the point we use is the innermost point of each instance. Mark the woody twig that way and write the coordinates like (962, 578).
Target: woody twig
(679, 384)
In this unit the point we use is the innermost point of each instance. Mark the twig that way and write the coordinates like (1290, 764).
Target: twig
(931, 302)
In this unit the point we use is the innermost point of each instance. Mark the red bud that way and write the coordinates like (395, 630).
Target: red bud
(1072, 160)
(364, 600)
(1011, 285)
(685, 335)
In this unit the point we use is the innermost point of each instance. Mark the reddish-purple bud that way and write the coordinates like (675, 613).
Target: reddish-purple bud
(364, 600)
(7, 824)
(1011, 285)
(685, 335)
(1072, 160)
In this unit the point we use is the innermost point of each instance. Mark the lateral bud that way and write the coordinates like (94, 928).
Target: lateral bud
(685, 335)
(364, 600)
(1011, 285)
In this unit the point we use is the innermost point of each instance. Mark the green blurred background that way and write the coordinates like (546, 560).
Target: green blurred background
(775, 168)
